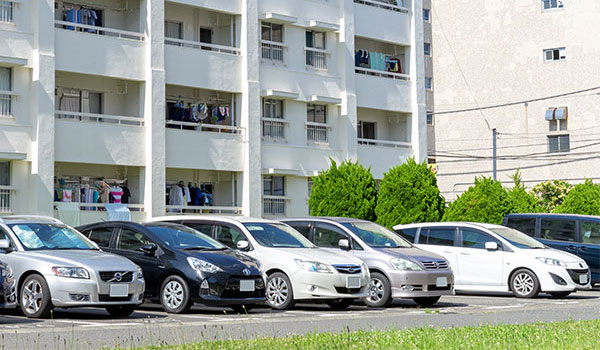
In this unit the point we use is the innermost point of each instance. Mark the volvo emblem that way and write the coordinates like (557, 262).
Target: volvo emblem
(246, 272)
(118, 277)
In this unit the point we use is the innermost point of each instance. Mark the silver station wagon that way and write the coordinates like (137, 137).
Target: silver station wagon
(56, 266)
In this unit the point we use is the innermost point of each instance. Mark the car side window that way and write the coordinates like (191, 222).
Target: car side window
(201, 227)
(559, 230)
(525, 225)
(4, 235)
(302, 227)
(408, 234)
(477, 239)
(100, 235)
(438, 236)
(131, 240)
(590, 232)
(228, 235)
(327, 236)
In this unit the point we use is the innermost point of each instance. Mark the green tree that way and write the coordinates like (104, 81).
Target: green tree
(485, 201)
(582, 199)
(409, 193)
(347, 190)
(550, 194)
(520, 200)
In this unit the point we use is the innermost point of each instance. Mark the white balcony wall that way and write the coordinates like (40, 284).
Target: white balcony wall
(386, 158)
(17, 37)
(382, 24)
(298, 160)
(297, 190)
(383, 93)
(325, 11)
(15, 141)
(229, 6)
(191, 149)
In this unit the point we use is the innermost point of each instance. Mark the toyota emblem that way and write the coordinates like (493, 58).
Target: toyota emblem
(246, 272)
(118, 277)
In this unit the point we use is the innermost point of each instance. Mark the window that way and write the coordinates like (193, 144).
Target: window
(427, 49)
(557, 118)
(5, 85)
(552, 4)
(173, 30)
(6, 12)
(131, 240)
(228, 235)
(426, 15)
(4, 173)
(274, 186)
(429, 83)
(590, 232)
(273, 109)
(525, 225)
(429, 118)
(327, 236)
(408, 234)
(272, 32)
(558, 230)
(437, 236)
(315, 44)
(302, 227)
(315, 40)
(558, 143)
(316, 113)
(558, 54)
(101, 236)
(477, 239)
(206, 35)
(74, 100)
(200, 227)
(367, 130)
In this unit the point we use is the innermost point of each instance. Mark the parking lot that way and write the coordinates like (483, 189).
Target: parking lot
(94, 328)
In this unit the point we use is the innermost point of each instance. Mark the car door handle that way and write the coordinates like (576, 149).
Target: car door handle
(582, 248)
(463, 253)
(448, 251)
(571, 247)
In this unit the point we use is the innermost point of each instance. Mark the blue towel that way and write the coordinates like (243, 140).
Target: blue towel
(117, 212)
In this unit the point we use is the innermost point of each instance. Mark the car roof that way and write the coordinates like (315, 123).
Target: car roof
(450, 223)
(223, 218)
(324, 218)
(22, 219)
(129, 223)
(555, 215)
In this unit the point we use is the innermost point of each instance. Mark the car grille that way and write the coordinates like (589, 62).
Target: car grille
(344, 290)
(433, 265)
(434, 287)
(109, 276)
(576, 273)
(348, 269)
(232, 289)
(107, 298)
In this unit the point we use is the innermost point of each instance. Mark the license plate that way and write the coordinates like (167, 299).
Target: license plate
(441, 282)
(119, 290)
(583, 279)
(247, 286)
(352, 282)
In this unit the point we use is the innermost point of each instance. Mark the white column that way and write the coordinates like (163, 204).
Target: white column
(348, 113)
(250, 110)
(417, 75)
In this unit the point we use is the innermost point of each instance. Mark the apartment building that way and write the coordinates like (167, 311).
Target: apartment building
(536, 58)
(428, 72)
(243, 100)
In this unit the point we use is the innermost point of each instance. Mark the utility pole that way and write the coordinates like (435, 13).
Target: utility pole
(495, 134)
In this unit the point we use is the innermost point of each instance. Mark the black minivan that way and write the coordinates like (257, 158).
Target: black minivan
(576, 234)
(183, 266)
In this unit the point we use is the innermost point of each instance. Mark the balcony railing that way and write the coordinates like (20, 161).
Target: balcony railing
(274, 128)
(218, 128)
(382, 143)
(316, 58)
(99, 118)
(272, 50)
(7, 9)
(6, 102)
(203, 46)
(78, 27)
(194, 210)
(7, 193)
(317, 133)
(274, 205)
(383, 74)
(384, 5)
(102, 207)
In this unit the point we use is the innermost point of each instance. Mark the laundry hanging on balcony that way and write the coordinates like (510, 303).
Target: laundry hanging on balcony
(377, 61)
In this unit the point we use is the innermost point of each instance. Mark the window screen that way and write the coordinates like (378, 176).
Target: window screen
(101, 236)
(228, 235)
(590, 232)
(558, 230)
(131, 240)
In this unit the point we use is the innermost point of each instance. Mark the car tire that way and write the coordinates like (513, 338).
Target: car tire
(426, 301)
(341, 304)
(241, 309)
(524, 284)
(175, 295)
(35, 297)
(380, 291)
(279, 292)
(120, 310)
(559, 295)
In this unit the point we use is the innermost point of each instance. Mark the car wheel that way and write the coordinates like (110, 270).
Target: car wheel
(279, 291)
(241, 309)
(380, 291)
(524, 284)
(120, 310)
(175, 295)
(559, 295)
(340, 304)
(35, 297)
(426, 301)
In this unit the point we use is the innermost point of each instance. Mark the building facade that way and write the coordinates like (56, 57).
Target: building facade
(534, 62)
(242, 100)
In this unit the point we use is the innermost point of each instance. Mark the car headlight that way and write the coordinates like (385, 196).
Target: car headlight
(364, 267)
(7, 272)
(71, 272)
(403, 264)
(314, 266)
(550, 261)
(140, 273)
(201, 265)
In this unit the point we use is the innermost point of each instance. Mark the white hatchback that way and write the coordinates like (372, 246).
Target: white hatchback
(494, 258)
(294, 268)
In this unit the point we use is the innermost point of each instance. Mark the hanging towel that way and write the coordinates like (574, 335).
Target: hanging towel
(68, 213)
(117, 212)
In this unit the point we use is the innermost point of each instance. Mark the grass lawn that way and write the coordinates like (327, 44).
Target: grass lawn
(560, 336)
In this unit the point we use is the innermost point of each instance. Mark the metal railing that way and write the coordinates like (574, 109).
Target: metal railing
(194, 210)
(84, 28)
(99, 118)
(316, 132)
(316, 58)
(273, 206)
(102, 207)
(6, 195)
(384, 5)
(7, 9)
(203, 46)
(382, 143)
(225, 129)
(272, 50)
(274, 128)
(381, 73)
(6, 101)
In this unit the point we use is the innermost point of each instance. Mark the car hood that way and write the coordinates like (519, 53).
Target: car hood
(321, 255)
(415, 253)
(552, 253)
(228, 260)
(94, 260)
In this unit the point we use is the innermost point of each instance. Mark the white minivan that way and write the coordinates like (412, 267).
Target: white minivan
(494, 258)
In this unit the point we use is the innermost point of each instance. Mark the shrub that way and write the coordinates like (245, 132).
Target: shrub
(409, 193)
(550, 194)
(582, 199)
(520, 200)
(348, 190)
(485, 201)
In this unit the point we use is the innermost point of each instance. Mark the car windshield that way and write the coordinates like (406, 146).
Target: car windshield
(50, 236)
(183, 237)
(517, 238)
(377, 236)
(277, 236)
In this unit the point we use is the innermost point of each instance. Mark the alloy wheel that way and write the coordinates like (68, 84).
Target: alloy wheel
(173, 294)
(277, 291)
(32, 297)
(523, 283)
(376, 290)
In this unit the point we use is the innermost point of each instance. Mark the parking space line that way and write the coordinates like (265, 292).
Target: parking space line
(503, 307)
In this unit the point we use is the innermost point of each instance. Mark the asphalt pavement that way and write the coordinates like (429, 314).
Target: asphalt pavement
(94, 328)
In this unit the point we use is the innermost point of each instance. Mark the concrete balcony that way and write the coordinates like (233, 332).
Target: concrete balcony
(381, 21)
(96, 212)
(297, 160)
(229, 6)
(7, 194)
(383, 90)
(389, 154)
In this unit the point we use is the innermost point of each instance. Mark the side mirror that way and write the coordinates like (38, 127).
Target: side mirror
(491, 246)
(344, 244)
(5, 245)
(243, 245)
(148, 248)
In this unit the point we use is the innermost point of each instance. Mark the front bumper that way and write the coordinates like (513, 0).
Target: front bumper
(561, 279)
(8, 294)
(224, 289)
(323, 286)
(73, 292)
(414, 284)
